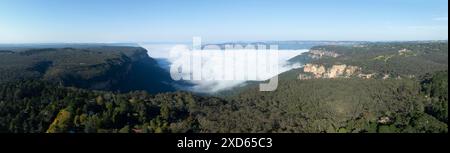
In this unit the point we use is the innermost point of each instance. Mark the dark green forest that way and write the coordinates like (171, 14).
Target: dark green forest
(347, 105)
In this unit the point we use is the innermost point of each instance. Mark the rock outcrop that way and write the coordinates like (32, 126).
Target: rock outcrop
(317, 54)
(319, 71)
(315, 71)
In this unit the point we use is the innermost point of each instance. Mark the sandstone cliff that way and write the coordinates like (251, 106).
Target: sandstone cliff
(317, 54)
(319, 71)
(335, 71)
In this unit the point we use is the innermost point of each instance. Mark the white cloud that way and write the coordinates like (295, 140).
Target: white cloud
(158, 50)
(212, 66)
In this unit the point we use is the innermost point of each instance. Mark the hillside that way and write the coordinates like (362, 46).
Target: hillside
(336, 92)
(344, 105)
(110, 68)
(392, 59)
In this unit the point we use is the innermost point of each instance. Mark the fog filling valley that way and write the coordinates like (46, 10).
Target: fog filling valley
(161, 53)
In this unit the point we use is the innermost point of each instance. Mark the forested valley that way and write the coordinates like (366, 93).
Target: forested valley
(398, 104)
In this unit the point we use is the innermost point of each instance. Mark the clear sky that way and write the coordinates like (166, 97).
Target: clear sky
(33, 21)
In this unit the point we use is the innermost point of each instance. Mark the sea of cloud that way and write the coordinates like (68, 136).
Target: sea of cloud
(162, 53)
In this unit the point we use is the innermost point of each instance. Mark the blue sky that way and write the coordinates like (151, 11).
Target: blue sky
(34, 21)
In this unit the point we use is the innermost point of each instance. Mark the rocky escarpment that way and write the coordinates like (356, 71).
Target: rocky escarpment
(316, 71)
(317, 54)
(128, 71)
(326, 68)
(335, 71)
(144, 73)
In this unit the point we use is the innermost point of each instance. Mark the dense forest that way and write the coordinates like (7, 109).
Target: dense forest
(353, 105)
(38, 106)
(347, 105)
(33, 103)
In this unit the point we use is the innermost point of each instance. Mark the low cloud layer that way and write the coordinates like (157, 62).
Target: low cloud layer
(210, 65)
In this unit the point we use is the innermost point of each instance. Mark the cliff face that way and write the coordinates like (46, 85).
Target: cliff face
(317, 54)
(315, 71)
(319, 71)
(144, 73)
(130, 71)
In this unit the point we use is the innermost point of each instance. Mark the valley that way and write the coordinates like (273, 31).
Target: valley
(349, 88)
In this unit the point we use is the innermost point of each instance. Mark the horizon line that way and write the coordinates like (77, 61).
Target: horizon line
(208, 42)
